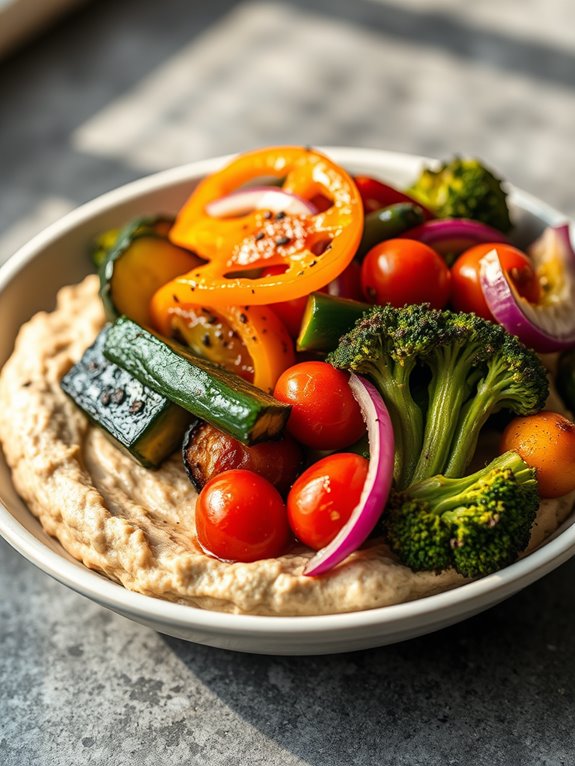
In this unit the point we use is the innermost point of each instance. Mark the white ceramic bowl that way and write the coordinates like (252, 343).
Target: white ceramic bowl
(28, 283)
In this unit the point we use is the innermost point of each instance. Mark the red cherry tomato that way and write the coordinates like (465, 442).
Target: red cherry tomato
(323, 497)
(324, 413)
(347, 285)
(466, 287)
(240, 516)
(403, 271)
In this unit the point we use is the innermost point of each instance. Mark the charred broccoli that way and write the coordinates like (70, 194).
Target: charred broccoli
(475, 524)
(441, 374)
(463, 188)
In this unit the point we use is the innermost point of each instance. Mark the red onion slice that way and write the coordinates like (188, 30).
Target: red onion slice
(377, 485)
(270, 198)
(451, 236)
(543, 327)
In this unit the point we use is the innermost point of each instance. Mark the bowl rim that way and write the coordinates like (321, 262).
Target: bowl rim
(550, 554)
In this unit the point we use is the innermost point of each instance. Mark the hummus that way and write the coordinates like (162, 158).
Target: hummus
(135, 525)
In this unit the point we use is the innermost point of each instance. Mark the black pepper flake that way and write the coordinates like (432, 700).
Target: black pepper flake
(267, 215)
(313, 263)
(234, 333)
(264, 330)
(206, 340)
(192, 288)
(282, 240)
(259, 235)
(92, 366)
(300, 273)
(280, 215)
(105, 398)
(219, 335)
(243, 318)
(175, 298)
(26, 383)
(118, 396)
(255, 340)
(253, 291)
(136, 406)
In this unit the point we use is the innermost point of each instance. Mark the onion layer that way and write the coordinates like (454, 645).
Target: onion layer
(270, 198)
(377, 485)
(545, 327)
(451, 236)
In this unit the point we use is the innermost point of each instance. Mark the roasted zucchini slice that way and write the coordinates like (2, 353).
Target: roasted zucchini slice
(141, 421)
(211, 393)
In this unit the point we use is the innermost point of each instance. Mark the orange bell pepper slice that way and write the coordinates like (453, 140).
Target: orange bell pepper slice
(313, 249)
(248, 340)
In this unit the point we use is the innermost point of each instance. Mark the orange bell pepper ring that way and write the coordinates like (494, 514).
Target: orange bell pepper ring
(313, 249)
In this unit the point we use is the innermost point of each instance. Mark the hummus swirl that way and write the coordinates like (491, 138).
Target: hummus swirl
(135, 525)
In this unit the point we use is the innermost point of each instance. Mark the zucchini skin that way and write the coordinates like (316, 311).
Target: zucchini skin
(142, 422)
(108, 240)
(387, 223)
(207, 391)
(326, 319)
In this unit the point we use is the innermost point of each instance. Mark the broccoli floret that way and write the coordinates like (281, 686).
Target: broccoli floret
(470, 368)
(463, 188)
(476, 524)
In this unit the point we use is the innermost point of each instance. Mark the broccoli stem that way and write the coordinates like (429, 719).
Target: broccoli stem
(406, 416)
(447, 394)
(473, 417)
(445, 493)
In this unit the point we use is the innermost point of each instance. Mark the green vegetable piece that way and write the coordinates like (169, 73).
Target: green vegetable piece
(105, 242)
(565, 379)
(326, 319)
(207, 391)
(144, 423)
(387, 223)
(442, 375)
(476, 524)
(463, 188)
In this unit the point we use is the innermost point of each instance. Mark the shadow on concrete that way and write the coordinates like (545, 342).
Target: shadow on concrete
(502, 682)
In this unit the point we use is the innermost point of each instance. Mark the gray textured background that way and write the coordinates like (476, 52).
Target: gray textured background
(126, 87)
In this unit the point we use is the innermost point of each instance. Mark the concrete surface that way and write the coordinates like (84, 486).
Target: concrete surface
(123, 88)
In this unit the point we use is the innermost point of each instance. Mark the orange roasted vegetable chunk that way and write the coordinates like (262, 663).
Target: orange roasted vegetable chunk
(313, 249)
(248, 340)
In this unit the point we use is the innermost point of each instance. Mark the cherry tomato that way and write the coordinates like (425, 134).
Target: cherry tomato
(546, 441)
(466, 293)
(402, 272)
(347, 285)
(240, 516)
(324, 413)
(323, 497)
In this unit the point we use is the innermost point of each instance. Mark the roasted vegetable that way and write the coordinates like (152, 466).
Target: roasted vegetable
(105, 242)
(476, 524)
(207, 451)
(139, 263)
(463, 188)
(145, 423)
(387, 223)
(207, 391)
(465, 369)
(326, 319)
